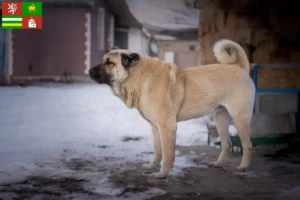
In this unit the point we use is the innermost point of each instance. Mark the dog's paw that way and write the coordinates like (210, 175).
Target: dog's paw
(240, 168)
(152, 165)
(148, 166)
(216, 164)
(147, 172)
(158, 175)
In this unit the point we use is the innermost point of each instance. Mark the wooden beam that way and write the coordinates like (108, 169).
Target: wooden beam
(201, 3)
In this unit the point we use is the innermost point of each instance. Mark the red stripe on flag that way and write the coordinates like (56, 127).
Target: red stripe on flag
(32, 22)
(11, 8)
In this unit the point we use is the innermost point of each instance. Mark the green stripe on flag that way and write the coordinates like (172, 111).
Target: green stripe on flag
(32, 8)
(9, 16)
(12, 27)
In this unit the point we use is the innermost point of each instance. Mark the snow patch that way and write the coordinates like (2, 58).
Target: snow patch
(44, 128)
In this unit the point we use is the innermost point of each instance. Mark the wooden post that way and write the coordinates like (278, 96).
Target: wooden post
(298, 117)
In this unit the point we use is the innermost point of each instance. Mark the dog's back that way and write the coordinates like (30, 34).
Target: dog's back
(216, 83)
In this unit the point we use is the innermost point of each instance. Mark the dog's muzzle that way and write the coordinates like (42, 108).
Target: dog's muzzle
(94, 74)
(98, 75)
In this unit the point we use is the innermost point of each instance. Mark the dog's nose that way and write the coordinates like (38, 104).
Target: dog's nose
(93, 72)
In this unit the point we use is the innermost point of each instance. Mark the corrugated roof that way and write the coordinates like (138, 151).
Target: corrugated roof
(121, 11)
(158, 15)
(177, 18)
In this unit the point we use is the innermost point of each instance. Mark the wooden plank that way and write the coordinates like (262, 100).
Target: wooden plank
(278, 77)
(264, 35)
(267, 139)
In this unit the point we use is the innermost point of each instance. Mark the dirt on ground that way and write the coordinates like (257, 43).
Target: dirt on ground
(267, 178)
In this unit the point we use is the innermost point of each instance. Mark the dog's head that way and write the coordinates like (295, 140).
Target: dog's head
(114, 66)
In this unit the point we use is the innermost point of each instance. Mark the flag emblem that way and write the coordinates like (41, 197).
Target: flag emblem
(32, 9)
(12, 8)
(21, 15)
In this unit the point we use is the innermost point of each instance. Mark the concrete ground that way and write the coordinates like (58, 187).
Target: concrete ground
(78, 141)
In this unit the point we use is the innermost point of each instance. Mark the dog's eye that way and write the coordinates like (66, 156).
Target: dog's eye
(108, 62)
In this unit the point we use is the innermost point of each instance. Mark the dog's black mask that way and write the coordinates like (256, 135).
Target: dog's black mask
(99, 75)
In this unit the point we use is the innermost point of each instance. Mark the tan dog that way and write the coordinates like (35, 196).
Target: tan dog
(165, 94)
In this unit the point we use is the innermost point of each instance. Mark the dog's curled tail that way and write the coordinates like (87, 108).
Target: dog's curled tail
(229, 52)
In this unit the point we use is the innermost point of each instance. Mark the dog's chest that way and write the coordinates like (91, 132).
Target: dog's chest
(147, 108)
(146, 114)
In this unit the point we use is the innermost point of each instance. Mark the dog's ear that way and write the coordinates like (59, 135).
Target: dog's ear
(115, 47)
(129, 60)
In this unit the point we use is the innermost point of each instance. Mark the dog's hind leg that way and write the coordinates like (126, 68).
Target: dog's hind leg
(222, 119)
(242, 124)
(241, 116)
(167, 133)
(157, 150)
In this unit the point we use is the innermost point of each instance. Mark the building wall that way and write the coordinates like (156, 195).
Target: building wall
(100, 32)
(135, 40)
(59, 46)
(132, 39)
(121, 38)
(2, 77)
(268, 30)
(145, 45)
(186, 53)
(138, 41)
(2, 55)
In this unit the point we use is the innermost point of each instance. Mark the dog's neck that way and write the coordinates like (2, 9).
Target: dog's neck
(128, 95)
(130, 90)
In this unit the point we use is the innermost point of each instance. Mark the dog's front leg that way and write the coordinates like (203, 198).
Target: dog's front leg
(167, 133)
(157, 150)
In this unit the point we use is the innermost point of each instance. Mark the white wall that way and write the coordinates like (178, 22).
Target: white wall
(135, 40)
(111, 31)
(169, 57)
(145, 46)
